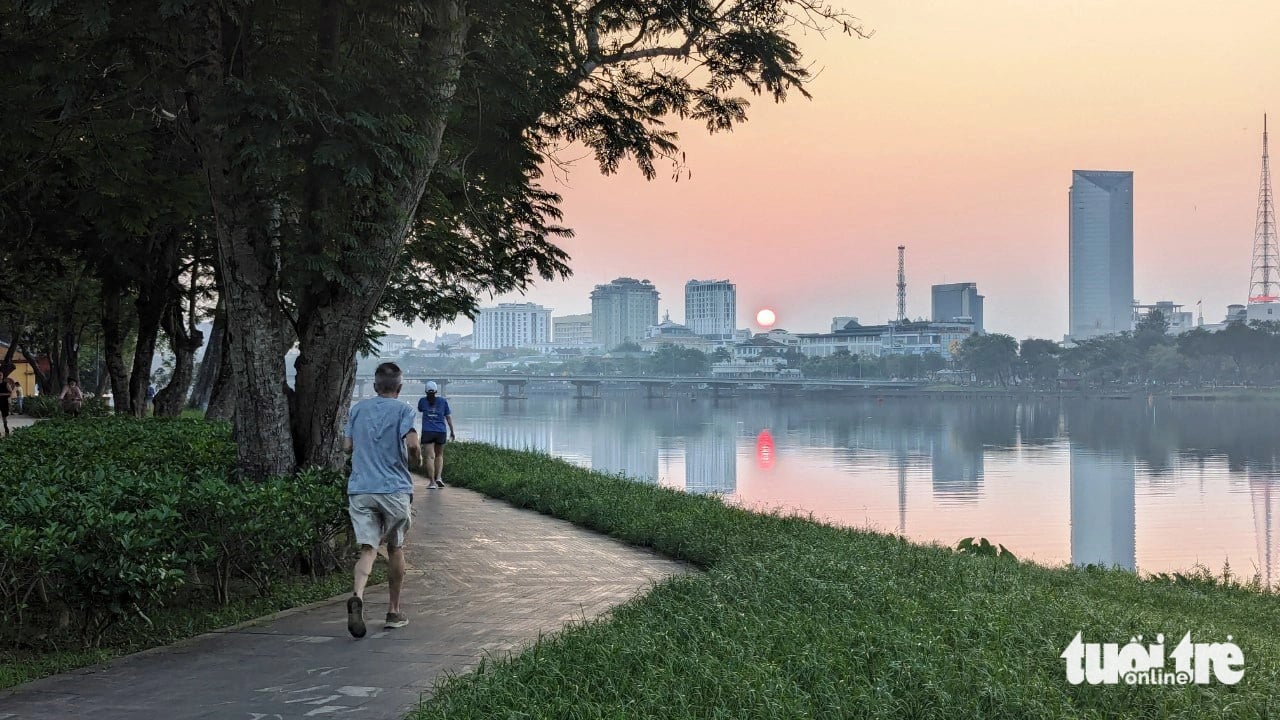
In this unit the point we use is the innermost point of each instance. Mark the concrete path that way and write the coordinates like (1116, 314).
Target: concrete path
(486, 578)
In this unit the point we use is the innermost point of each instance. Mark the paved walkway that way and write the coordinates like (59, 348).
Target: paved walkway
(486, 578)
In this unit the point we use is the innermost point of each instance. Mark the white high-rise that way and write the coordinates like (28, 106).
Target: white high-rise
(512, 325)
(1101, 253)
(711, 308)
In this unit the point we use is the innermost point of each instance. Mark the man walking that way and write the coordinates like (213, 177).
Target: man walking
(381, 439)
(436, 419)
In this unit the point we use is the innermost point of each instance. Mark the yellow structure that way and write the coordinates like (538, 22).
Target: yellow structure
(23, 374)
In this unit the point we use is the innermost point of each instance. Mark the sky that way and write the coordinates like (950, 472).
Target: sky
(953, 130)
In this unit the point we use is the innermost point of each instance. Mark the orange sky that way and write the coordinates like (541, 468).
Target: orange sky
(954, 131)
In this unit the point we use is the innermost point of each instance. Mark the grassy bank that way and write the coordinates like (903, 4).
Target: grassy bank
(796, 619)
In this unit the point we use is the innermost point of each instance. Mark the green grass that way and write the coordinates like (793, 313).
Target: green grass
(169, 626)
(794, 619)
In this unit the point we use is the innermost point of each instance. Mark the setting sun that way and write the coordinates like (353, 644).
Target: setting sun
(766, 318)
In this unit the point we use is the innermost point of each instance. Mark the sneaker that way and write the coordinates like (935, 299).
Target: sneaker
(355, 617)
(396, 620)
(431, 485)
(440, 482)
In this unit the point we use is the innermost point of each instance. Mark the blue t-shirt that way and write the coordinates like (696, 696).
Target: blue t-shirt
(379, 459)
(433, 415)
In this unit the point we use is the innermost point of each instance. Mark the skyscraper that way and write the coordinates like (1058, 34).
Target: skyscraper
(711, 308)
(958, 301)
(623, 311)
(1101, 253)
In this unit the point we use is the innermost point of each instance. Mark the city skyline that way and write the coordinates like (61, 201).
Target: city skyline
(926, 135)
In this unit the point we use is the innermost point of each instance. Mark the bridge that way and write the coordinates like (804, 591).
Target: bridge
(588, 386)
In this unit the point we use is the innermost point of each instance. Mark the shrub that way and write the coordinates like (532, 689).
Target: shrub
(107, 519)
(48, 406)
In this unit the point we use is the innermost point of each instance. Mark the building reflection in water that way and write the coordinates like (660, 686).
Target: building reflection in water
(1102, 509)
(633, 452)
(957, 468)
(711, 459)
(1264, 491)
(513, 432)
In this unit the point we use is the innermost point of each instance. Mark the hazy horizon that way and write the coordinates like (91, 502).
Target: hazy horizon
(953, 131)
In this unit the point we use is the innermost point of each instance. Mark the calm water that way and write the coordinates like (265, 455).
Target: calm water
(1154, 487)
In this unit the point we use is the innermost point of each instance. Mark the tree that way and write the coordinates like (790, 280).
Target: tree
(340, 143)
(1039, 360)
(934, 363)
(990, 356)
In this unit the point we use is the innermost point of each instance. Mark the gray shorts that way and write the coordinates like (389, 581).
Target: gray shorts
(378, 518)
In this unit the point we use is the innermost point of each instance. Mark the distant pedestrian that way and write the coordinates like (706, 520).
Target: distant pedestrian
(18, 396)
(436, 421)
(151, 398)
(382, 442)
(72, 398)
(6, 391)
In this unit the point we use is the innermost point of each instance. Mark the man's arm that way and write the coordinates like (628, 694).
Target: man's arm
(415, 450)
(449, 419)
(347, 445)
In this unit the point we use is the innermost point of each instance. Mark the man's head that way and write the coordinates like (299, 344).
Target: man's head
(73, 382)
(386, 380)
(432, 388)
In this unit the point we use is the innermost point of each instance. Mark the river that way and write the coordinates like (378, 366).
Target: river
(1157, 486)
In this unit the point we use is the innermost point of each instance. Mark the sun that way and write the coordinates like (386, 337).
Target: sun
(766, 318)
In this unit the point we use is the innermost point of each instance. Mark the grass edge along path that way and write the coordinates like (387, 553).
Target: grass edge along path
(177, 624)
(792, 618)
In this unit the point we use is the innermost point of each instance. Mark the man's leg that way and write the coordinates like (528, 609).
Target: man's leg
(395, 575)
(399, 518)
(440, 463)
(364, 566)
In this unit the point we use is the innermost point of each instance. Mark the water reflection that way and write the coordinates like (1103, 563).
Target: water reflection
(1102, 509)
(1156, 486)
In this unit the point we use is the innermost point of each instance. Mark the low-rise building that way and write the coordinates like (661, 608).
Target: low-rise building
(908, 338)
(571, 331)
(749, 367)
(668, 333)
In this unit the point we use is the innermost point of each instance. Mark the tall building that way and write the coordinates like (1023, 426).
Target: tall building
(958, 302)
(711, 308)
(512, 325)
(1101, 253)
(623, 311)
(571, 330)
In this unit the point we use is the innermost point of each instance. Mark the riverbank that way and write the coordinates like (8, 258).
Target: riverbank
(796, 619)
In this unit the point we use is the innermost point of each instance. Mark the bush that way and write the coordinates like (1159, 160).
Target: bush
(48, 406)
(108, 519)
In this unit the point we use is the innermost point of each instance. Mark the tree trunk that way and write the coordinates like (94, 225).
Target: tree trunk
(222, 395)
(186, 340)
(326, 373)
(330, 330)
(208, 373)
(114, 333)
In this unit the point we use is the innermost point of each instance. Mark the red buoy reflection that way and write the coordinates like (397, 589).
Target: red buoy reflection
(765, 453)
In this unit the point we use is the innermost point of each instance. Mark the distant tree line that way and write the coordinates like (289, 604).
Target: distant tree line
(1240, 354)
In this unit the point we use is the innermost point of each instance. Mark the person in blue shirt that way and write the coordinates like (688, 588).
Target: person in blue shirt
(382, 441)
(436, 421)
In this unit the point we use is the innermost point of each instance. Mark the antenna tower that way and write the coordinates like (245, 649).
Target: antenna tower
(902, 283)
(1264, 283)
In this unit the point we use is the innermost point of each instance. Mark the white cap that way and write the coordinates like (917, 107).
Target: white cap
(432, 387)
